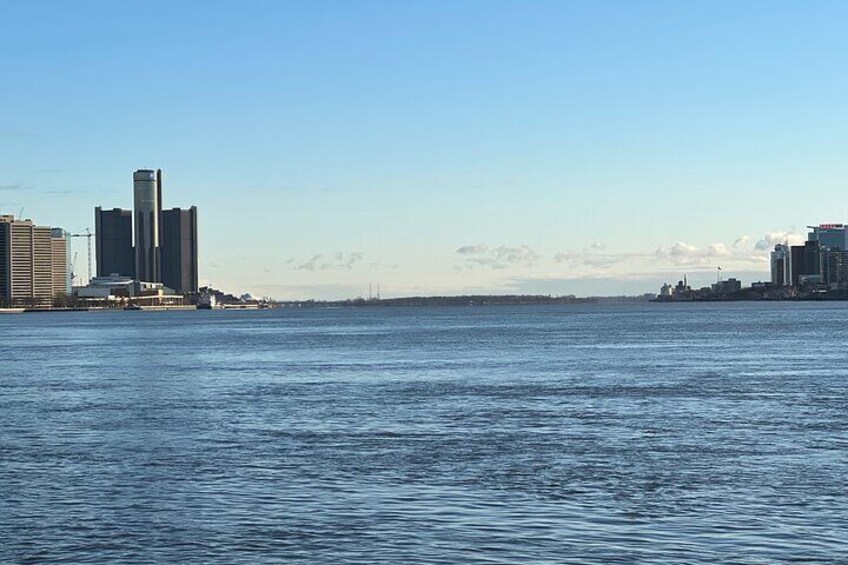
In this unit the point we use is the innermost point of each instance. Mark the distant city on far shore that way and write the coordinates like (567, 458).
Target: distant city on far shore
(144, 257)
(147, 258)
(816, 270)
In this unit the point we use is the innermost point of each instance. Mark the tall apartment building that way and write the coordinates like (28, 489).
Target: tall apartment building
(179, 249)
(113, 241)
(147, 208)
(26, 262)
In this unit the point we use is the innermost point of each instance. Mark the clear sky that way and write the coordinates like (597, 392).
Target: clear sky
(595, 147)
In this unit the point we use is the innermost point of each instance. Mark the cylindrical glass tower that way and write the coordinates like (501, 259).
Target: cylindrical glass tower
(146, 212)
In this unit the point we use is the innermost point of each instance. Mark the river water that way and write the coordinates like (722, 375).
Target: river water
(653, 433)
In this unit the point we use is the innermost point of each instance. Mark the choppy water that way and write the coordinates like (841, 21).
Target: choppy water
(653, 433)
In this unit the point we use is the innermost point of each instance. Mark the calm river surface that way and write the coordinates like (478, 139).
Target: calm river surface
(697, 433)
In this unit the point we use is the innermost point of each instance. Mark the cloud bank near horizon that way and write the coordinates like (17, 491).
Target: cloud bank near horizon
(593, 269)
(596, 259)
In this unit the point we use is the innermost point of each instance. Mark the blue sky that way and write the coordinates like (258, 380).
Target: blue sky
(437, 147)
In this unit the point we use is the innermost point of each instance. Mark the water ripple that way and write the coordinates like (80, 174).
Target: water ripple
(690, 434)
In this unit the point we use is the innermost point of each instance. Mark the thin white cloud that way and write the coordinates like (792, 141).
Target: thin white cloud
(13, 187)
(309, 265)
(686, 255)
(593, 259)
(741, 242)
(739, 254)
(565, 256)
(473, 249)
(498, 257)
(742, 255)
(337, 261)
(771, 239)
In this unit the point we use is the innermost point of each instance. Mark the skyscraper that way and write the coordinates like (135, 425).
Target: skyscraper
(26, 262)
(781, 265)
(148, 244)
(159, 196)
(114, 242)
(830, 235)
(179, 249)
(147, 208)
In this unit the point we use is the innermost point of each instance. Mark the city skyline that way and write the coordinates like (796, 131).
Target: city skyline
(147, 254)
(584, 148)
(148, 243)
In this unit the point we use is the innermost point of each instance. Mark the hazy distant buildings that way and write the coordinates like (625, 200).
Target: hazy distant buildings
(837, 269)
(821, 263)
(114, 242)
(810, 268)
(179, 249)
(146, 213)
(33, 264)
(834, 236)
(728, 287)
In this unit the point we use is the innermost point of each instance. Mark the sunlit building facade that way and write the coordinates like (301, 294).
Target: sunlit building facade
(26, 263)
(146, 215)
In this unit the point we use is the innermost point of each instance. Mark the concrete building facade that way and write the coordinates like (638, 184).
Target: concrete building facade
(26, 263)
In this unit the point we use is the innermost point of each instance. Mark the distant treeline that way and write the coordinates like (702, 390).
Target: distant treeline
(465, 300)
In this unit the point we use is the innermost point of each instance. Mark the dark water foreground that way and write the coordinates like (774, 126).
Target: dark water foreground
(697, 433)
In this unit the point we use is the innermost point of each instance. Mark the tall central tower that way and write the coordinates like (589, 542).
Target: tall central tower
(147, 188)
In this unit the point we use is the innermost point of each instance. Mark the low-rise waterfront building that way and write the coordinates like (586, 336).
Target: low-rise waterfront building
(118, 290)
(728, 287)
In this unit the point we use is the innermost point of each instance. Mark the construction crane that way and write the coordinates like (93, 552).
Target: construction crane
(88, 236)
(74, 269)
